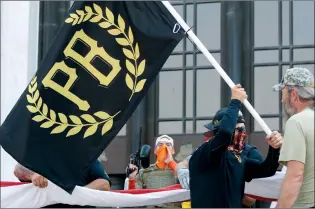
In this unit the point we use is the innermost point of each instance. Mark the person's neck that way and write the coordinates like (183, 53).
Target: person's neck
(302, 106)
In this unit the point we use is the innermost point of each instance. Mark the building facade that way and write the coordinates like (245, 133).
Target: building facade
(254, 42)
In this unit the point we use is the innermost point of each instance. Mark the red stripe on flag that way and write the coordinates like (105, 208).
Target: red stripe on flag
(132, 191)
(262, 198)
(10, 183)
(138, 191)
(145, 191)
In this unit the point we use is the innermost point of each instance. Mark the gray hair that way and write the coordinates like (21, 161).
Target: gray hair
(305, 93)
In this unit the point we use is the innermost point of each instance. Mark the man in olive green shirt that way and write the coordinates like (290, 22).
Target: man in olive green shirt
(297, 151)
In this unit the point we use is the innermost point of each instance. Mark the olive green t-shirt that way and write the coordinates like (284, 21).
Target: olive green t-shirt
(298, 144)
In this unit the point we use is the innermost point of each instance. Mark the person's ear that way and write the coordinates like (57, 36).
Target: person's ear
(294, 95)
(297, 96)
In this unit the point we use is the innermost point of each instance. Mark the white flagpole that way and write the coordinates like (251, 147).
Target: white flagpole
(215, 64)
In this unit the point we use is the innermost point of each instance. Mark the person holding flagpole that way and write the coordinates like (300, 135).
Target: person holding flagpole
(218, 169)
(250, 151)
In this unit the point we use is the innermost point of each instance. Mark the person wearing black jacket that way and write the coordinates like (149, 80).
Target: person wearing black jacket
(218, 169)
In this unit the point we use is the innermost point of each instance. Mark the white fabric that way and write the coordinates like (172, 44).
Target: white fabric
(126, 185)
(266, 187)
(273, 204)
(30, 196)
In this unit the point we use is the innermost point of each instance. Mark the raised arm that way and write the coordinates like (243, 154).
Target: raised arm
(134, 178)
(227, 125)
(225, 128)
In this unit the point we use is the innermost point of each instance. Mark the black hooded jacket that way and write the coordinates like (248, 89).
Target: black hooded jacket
(217, 176)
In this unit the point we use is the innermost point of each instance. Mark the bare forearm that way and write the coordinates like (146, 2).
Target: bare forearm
(99, 184)
(289, 191)
(23, 173)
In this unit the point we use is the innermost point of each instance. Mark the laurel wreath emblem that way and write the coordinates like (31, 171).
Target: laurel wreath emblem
(127, 41)
(37, 105)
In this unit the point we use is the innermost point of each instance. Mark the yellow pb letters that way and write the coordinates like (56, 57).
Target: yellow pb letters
(94, 52)
(65, 90)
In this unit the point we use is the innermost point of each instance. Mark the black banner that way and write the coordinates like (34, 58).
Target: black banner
(98, 69)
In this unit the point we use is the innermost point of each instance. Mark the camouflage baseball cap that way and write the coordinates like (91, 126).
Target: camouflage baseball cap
(296, 76)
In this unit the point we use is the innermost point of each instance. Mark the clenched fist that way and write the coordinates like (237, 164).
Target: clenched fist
(133, 175)
(39, 180)
(274, 140)
(239, 93)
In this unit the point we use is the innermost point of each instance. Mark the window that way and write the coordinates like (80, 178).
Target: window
(171, 94)
(51, 17)
(185, 101)
(33, 38)
(280, 42)
(265, 99)
(265, 24)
